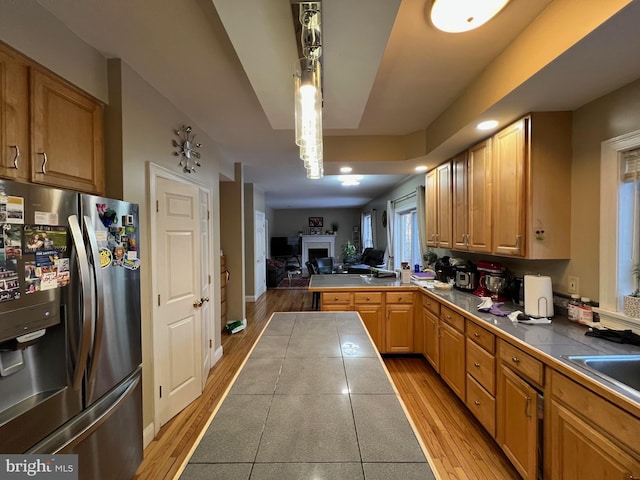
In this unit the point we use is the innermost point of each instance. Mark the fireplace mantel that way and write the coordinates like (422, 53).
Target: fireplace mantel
(317, 241)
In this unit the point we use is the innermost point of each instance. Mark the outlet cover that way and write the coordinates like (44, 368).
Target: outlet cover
(573, 284)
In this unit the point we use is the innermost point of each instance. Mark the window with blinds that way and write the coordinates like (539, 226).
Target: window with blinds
(631, 165)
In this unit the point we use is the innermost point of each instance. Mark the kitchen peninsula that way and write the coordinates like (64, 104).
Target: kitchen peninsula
(512, 377)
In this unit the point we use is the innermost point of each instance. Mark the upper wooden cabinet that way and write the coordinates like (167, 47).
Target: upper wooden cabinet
(51, 132)
(532, 187)
(472, 199)
(439, 206)
(14, 116)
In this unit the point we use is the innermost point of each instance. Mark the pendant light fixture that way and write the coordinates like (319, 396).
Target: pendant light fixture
(456, 16)
(308, 90)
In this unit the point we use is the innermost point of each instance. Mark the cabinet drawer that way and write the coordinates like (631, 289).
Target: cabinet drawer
(522, 362)
(481, 365)
(430, 304)
(365, 297)
(482, 405)
(336, 298)
(481, 336)
(399, 297)
(452, 318)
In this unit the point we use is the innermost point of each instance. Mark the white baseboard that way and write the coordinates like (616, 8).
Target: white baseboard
(250, 298)
(148, 434)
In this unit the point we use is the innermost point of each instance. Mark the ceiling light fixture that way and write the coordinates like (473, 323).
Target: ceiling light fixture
(350, 180)
(308, 90)
(455, 16)
(487, 125)
(346, 169)
(421, 168)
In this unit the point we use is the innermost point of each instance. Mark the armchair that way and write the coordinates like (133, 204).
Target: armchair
(325, 265)
(371, 257)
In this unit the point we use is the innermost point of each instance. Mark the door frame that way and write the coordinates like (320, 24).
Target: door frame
(259, 290)
(155, 171)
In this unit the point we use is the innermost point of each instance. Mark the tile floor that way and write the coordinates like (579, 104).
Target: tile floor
(313, 401)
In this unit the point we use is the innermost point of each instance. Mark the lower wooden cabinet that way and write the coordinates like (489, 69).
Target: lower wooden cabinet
(431, 338)
(452, 358)
(369, 306)
(579, 451)
(399, 322)
(518, 428)
(591, 438)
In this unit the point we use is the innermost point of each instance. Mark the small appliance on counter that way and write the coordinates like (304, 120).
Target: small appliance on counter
(466, 277)
(485, 268)
(443, 269)
(538, 296)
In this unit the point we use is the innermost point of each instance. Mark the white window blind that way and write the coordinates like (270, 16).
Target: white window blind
(631, 165)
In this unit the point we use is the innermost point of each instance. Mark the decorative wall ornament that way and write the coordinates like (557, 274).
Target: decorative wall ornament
(188, 155)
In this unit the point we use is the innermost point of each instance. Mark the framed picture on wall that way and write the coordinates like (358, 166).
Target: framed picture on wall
(316, 221)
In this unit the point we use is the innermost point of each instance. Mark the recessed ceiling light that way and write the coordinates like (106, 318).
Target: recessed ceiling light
(421, 168)
(350, 180)
(487, 125)
(345, 169)
(455, 16)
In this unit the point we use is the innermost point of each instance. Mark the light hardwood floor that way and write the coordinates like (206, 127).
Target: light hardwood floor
(459, 446)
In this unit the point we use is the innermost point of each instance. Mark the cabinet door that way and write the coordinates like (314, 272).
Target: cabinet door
(579, 451)
(67, 145)
(431, 339)
(431, 207)
(479, 184)
(452, 360)
(444, 230)
(517, 412)
(373, 320)
(14, 116)
(509, 193)
(460, 202)
(399, 328)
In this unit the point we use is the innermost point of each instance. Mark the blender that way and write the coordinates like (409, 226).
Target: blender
(494, 269)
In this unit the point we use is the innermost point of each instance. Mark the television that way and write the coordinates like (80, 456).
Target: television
(286, 246)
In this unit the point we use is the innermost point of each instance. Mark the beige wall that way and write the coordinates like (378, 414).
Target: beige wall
(605, 118)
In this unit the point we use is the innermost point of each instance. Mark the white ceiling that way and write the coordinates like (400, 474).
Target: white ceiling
(386, 71)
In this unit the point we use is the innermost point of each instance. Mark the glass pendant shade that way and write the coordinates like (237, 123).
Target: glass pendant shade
(455, 16)
(308, 103)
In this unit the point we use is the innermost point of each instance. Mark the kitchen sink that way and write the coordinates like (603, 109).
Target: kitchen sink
(621, 370)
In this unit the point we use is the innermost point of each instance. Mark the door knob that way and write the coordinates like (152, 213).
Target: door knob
(197, 304)
(204, 299)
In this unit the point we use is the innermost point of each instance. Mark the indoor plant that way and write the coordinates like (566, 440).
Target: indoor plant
(348, 252)
(632, 302)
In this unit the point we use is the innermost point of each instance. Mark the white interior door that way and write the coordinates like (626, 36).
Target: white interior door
(177, 316)
(206, 310)
(261, 255)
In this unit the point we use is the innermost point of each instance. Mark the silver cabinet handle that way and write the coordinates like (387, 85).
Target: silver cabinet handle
(476, 364)
(518, 237)
(16, 156)
(44, 162)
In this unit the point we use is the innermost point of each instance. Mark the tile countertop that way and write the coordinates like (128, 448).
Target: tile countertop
(547, 342)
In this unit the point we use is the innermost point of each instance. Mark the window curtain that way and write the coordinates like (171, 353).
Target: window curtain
(422, 221)
(390, 223)
(374, 225)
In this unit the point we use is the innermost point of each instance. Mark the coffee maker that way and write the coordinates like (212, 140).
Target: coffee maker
(494, 269)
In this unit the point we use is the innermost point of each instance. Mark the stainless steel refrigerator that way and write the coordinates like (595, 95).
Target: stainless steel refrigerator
(70, 337)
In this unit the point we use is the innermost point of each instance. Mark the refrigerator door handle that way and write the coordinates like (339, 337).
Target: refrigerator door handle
(98, 319)
(83, 270)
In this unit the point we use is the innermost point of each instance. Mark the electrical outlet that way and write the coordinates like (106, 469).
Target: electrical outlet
(573, 284)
